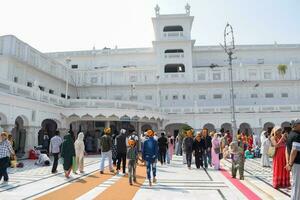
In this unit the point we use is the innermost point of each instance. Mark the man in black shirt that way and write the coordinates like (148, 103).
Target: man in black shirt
(207, 151)
(293, 158)
(162, 146)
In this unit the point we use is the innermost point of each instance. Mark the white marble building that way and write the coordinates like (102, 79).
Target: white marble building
(162, 87)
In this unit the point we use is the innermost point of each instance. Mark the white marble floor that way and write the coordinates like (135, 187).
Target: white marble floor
(175, 181)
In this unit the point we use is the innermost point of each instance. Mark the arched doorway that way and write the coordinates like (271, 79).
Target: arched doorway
(268, 126)
(286, 126)
(174, 129)
(210, 127)
(146, 127)
(226, 127)
(245, 128)
(49, 126)
(19, 136)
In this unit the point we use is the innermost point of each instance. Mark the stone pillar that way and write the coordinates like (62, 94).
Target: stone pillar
(139, 132)
(31, 138)
(107, 124)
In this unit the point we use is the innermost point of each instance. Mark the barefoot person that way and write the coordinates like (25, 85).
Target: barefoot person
(150, 151)
(106, 153)
(132, 156)
(67, 153)
(54, 149)
(188, 147)
(5, 152)
(79, 150)
(293, 158)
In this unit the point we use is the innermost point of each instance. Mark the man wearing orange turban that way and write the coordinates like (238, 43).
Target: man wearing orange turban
(150, 152)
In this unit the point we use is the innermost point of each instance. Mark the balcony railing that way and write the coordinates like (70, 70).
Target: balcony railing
(30, 93)
(226, 109)
(173, 34)
(174, 55)
(38, 95)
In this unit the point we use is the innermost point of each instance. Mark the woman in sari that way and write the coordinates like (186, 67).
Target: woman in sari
(281, 177)
(216, 150)
(67, 153)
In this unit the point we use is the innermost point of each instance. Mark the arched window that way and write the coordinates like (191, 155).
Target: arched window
(172, 28)
(174, 51)
(174, 68)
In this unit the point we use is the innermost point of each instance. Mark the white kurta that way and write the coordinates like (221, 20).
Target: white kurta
(265, 145)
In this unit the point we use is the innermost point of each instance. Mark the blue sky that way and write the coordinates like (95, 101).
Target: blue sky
(59, 25)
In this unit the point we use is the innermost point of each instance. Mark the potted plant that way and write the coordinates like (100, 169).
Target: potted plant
(282, 69)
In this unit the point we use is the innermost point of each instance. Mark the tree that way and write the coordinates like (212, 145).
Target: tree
(183, 131)
(282, 69)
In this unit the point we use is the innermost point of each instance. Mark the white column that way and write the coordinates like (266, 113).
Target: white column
(107, 124)
(31, 138)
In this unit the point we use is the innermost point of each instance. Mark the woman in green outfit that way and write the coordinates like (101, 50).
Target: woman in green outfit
(67, 153)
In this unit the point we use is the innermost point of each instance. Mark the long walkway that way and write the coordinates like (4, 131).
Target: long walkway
(175, 181)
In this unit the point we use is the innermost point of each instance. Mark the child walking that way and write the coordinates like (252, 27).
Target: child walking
(132, 156)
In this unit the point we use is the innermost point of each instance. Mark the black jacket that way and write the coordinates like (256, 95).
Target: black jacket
(121, 143)
(207, 142)
(162, 143)
(199, 147)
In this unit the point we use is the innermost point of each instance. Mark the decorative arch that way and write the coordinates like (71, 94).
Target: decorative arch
(174, 68)
(135, 118)
(87, 117)
(19, 134)
(245, 128)
(227, 127)
(173, 129)
(210, 127)
(286, 125)
(49, 126)
(113, 117)
(268, 126)
(125, 118)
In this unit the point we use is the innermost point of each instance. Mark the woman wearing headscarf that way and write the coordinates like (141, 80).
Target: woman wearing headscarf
(216, 150)
(67, 153)
(281, 176)
(79, 150)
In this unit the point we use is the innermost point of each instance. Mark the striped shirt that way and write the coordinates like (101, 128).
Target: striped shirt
(5, 149)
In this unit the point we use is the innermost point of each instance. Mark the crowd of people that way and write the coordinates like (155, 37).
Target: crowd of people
(127, 149)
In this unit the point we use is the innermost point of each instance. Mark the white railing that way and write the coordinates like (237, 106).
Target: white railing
(174, 55)
(30, 93)
(95, 103)
(35, 94)
(173, 76)
(27, 54)
(173, 34)
(239, 109)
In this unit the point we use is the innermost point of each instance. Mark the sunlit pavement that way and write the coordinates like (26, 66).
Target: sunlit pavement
(175, 181)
